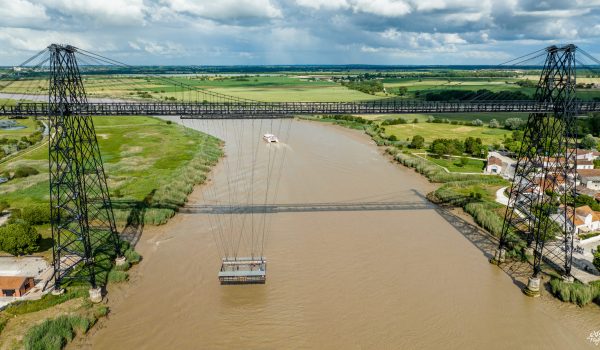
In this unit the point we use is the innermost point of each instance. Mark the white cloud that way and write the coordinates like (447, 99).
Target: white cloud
(554, 13)
(166, 48)
(24, 39)
(385, 8)
(116, 12)
(227, 9)
(324, 4)
(20, 13)
(279, 31)
(422, 40)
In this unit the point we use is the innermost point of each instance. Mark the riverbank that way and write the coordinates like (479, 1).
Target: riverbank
(147, 186)
(475, 195)
(411, 276)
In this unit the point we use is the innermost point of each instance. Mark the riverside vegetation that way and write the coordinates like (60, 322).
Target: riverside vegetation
(474, 193)
(151, 184)
(147, 183)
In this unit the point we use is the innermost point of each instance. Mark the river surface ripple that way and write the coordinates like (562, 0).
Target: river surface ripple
(405, 278)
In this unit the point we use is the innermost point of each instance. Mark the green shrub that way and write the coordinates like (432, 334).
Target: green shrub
(576, 293)
(132, 256)
(596, 260)
(4, 205)
(37, 214)
(123, 267)
(417, 142)
(101, 311)
(3, 322)
(115, 276)
(55, 333)
(47, 301)
(25, 171)
(588, 235)
(19, 238)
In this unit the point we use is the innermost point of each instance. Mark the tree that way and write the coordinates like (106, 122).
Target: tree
(402, 90)
(392, 138)
(477, 122)
(596, 260)
(583, 199)
(514, 123)
(494, 123)
(442, 147)
(417, 142)
(588, 142)
(19, 238)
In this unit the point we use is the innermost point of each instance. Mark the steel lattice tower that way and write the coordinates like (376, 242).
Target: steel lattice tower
(83, 224)
(541, 202)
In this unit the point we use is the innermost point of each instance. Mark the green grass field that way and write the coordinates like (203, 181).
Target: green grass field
(431, 131)
(260, 88)
(133, 163)
(464, 117)
(454, 165)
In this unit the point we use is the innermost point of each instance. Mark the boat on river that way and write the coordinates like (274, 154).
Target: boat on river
(270, 138)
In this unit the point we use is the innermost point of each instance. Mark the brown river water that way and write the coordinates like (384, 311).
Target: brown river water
(341, 274)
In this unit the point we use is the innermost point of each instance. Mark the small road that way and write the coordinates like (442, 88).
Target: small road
(501, 197)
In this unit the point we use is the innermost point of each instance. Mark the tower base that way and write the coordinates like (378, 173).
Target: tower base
(533, 287)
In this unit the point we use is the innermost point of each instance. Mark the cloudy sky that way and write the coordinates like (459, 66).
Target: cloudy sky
(214, 32)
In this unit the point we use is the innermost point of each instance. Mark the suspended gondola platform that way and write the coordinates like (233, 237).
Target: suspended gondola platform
(243, 271)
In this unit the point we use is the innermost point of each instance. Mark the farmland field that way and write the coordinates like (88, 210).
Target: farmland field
(431, 131)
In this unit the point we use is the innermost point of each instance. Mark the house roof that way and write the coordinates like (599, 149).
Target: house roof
(579, 151)
(589, 173)
(12, 282)
(494, 161)
(581, 213)
(584, 162)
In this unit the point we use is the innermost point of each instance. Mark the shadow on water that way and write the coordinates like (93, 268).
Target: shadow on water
(303, 207)
(484, 241)
(134, 225)
(243, 295)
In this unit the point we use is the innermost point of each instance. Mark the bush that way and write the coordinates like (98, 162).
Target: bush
(494, 123)
(132, 256)
(394, 121)
(115, 276)
(19, 238)
(575, 292)
(596, 260)
(588, 142)
(417, 142)
(47, 301)
(101, 311)
(124, 267)
(4, 205)
(37, 214)
(477, 122)
(25, 171)
(55, 333)
(514, 123)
